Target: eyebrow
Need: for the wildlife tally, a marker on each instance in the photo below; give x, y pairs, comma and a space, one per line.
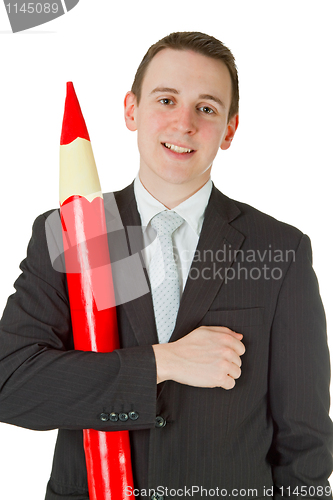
164, 89
201, 96
212, 98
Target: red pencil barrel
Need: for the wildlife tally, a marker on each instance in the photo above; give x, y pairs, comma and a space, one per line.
108, 456
110, 478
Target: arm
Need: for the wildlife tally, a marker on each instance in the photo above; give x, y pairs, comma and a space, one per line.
44, 383
299, 382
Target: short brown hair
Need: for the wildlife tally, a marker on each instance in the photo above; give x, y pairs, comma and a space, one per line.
198, 42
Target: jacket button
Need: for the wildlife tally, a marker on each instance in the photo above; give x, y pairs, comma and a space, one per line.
155, 496
160, 422
104, 417
123, 417
113, 417
133, 415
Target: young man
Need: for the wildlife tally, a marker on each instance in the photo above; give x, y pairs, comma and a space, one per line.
232, 329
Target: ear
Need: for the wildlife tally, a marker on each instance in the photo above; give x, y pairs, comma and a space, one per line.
129, 111
231, 130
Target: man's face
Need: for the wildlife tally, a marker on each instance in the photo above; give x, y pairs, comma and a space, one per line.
182, 118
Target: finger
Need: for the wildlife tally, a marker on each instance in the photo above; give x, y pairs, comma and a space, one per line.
229, 383
233, 343
232, 357
236, 335
224, 329
239, 348
234, 371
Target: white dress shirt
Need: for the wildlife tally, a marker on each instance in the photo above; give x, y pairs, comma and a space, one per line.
185, 238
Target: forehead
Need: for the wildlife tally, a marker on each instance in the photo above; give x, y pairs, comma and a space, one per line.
187, 70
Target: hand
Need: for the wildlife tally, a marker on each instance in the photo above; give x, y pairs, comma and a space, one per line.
207, 357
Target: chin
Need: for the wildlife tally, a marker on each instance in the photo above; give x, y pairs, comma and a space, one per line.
176, 175
176, 178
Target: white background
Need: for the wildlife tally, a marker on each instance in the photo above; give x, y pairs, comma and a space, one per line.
280, 160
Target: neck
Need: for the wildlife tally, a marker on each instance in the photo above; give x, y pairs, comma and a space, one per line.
169, 194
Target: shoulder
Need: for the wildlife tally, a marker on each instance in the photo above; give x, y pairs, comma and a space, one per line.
255, 224
261, 219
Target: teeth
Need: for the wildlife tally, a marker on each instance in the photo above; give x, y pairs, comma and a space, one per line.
177, 149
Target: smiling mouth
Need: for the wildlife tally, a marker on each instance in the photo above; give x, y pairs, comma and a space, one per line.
177, 149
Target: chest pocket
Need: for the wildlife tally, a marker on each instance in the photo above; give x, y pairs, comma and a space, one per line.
235, 319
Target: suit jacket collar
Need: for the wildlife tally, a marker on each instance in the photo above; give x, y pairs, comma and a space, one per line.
203, 282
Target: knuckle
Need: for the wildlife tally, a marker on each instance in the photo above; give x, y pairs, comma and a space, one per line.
224, 337
224, 366
227, 351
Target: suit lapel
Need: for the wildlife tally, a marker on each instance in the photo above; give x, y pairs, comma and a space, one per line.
140, 311
215, 253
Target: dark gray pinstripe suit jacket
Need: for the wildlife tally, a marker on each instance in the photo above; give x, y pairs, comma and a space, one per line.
271, 429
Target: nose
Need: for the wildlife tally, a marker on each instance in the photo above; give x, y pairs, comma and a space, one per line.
185, 120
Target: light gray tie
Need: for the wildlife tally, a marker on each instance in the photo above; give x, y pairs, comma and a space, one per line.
163, 274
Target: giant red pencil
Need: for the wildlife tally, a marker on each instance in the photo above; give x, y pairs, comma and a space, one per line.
91, 293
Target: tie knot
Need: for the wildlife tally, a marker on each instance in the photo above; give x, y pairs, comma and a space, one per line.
166, 222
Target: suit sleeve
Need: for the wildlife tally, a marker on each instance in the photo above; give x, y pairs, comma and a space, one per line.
46, 384
299, 385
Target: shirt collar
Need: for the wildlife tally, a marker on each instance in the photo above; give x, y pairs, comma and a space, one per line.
192, 209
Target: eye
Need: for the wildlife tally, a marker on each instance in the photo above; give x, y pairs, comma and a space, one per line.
166, 101
207, 110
